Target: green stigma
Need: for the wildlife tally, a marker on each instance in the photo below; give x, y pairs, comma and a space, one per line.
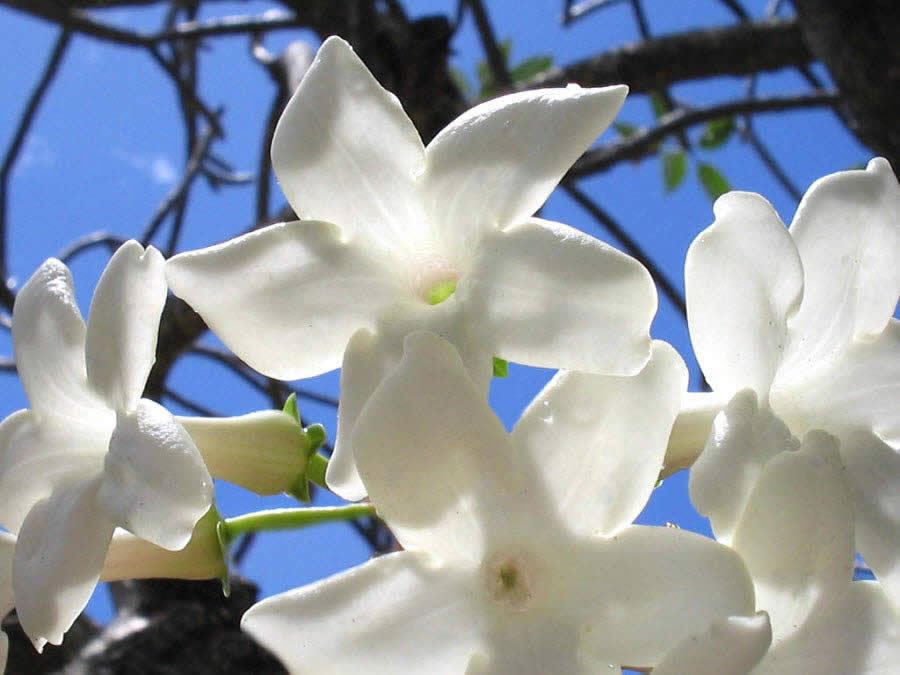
509, 576
440, 292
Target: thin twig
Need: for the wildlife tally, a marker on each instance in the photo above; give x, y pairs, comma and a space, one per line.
89, 241
496, 60
644, 142
15, 146
191, 405
630, 245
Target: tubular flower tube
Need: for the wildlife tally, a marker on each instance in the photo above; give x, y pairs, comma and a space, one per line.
396, 237
519, 555
90, 454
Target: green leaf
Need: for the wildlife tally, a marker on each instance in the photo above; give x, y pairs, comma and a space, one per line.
625, 129
658, 104
501, 367
530, 68
459, 78
717, 132
713, 181
485, 77
674, 168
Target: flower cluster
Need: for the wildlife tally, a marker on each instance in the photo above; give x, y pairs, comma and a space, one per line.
414, 269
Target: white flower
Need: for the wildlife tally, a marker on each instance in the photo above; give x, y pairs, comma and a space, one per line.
804, 318
90, 454
786, 507
7, 597
519, 554
396, 237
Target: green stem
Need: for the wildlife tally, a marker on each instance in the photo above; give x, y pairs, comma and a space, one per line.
315, 469
291, 519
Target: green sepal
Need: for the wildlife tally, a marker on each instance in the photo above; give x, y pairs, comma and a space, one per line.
224, 539
501, 367
314, 437
290, 407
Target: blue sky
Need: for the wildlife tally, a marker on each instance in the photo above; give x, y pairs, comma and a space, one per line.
107, 146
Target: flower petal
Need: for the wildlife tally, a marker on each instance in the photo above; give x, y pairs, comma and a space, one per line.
603, 439
59, 554
634, 598
395, 614
520, 300
36, 457
873, 470
847, 235
745, 436
123, 324
691, 429
345, 151
860, 387
796, 534
436, 461
287, 298
743, 279
859, 632
154, 482
49, 336
7, 595
369, 357
731, 646
495, 164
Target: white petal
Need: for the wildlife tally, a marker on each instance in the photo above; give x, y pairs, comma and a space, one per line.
154, 482
744, 438
796, 534
59, 554
369, 357
602, 439
123, 324
287, 298
345, 152
498, 162
644, 590
691, 429
7, 595
395, 614
730, 646
873, 470
859, 387
49, 335
859, 632
743, 279
4, 651
846, 230
436, 461
36, 457
521, 299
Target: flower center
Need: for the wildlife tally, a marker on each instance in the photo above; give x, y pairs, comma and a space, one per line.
440, 291
512, 580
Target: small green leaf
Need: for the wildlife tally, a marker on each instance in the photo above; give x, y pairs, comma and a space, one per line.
717, 132
659, 104
713, 181
290, 407
625, 129
530, 68
501, 367
674, 168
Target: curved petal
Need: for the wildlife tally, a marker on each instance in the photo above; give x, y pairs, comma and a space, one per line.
520, 298
731, 646
860, 387
743, 279
369, 357
849, 241
633, 599
691, 429
796, 535
395, 614
436, 461
603, 440
495, 164
154, 482
7, 595
59, 555
37, 457
123, 324
744, 438
345, 152
859, 632
287, 298
49, 337
873, 469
